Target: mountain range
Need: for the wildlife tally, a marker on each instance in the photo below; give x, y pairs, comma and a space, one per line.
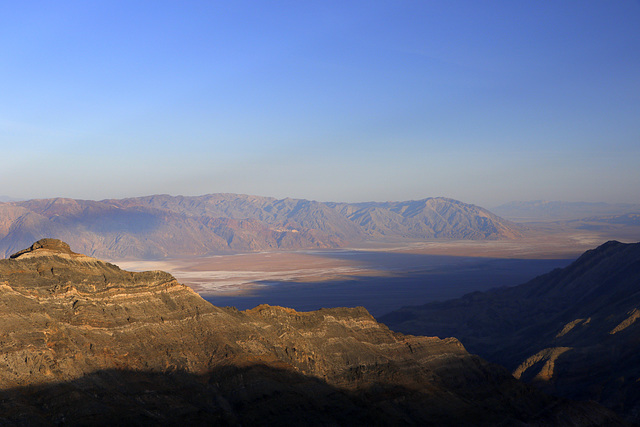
86, 343
543, 210
8, 199
175, 226
572, 332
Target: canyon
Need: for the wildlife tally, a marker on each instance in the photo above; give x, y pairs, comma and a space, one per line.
84, 342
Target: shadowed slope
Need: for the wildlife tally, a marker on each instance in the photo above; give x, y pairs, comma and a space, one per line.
573, 331
263, 395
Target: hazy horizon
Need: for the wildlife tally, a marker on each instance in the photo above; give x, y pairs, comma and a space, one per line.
485, 103
5, 199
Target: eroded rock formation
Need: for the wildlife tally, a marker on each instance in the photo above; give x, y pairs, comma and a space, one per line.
84, 342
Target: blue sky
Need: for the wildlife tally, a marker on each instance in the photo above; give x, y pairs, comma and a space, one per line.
482, 101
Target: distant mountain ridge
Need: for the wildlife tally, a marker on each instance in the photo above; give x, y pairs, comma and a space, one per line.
171, 226
574, 332
428, 218
8, 199
543, 210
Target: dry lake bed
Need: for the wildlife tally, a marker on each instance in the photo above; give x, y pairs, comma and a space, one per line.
380, 277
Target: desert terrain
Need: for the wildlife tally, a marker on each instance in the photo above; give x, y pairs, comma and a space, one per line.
380, 275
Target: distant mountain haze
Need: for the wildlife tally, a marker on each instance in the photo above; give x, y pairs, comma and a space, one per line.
8, 199
542, 210
428, 218
173, 226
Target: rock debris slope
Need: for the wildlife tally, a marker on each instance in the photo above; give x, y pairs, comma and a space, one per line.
573, 332
83, 342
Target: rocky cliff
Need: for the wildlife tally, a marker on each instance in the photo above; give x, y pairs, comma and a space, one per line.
166, 226
572, 332
83, 342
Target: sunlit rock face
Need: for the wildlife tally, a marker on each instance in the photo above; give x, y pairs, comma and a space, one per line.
84, 342
573, 332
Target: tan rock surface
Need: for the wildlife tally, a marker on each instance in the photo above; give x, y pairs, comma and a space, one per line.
83, 342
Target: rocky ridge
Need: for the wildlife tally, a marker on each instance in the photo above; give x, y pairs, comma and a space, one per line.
572, 332
166, 226
438, 218
84, 342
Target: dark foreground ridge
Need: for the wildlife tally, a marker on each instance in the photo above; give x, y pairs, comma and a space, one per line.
572, 332
84, 342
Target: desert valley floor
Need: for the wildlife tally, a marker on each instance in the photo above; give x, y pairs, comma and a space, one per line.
382, 276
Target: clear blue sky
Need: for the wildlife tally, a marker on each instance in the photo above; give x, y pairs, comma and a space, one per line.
482, 101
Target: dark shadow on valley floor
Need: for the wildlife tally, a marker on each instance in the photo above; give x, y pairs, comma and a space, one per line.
412, 279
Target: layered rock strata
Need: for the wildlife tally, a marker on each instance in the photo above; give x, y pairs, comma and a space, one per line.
84, 342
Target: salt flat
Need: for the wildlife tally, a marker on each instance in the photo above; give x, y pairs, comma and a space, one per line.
379, 280
382, 276
240, 273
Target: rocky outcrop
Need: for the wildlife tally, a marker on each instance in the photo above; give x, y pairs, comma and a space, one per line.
84, 342
46, 247
572, 332
166, 226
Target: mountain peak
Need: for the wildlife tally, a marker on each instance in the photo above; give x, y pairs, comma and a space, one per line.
610, 244
604, 251
46, 246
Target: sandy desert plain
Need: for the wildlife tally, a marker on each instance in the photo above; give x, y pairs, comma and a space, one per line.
382, 275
